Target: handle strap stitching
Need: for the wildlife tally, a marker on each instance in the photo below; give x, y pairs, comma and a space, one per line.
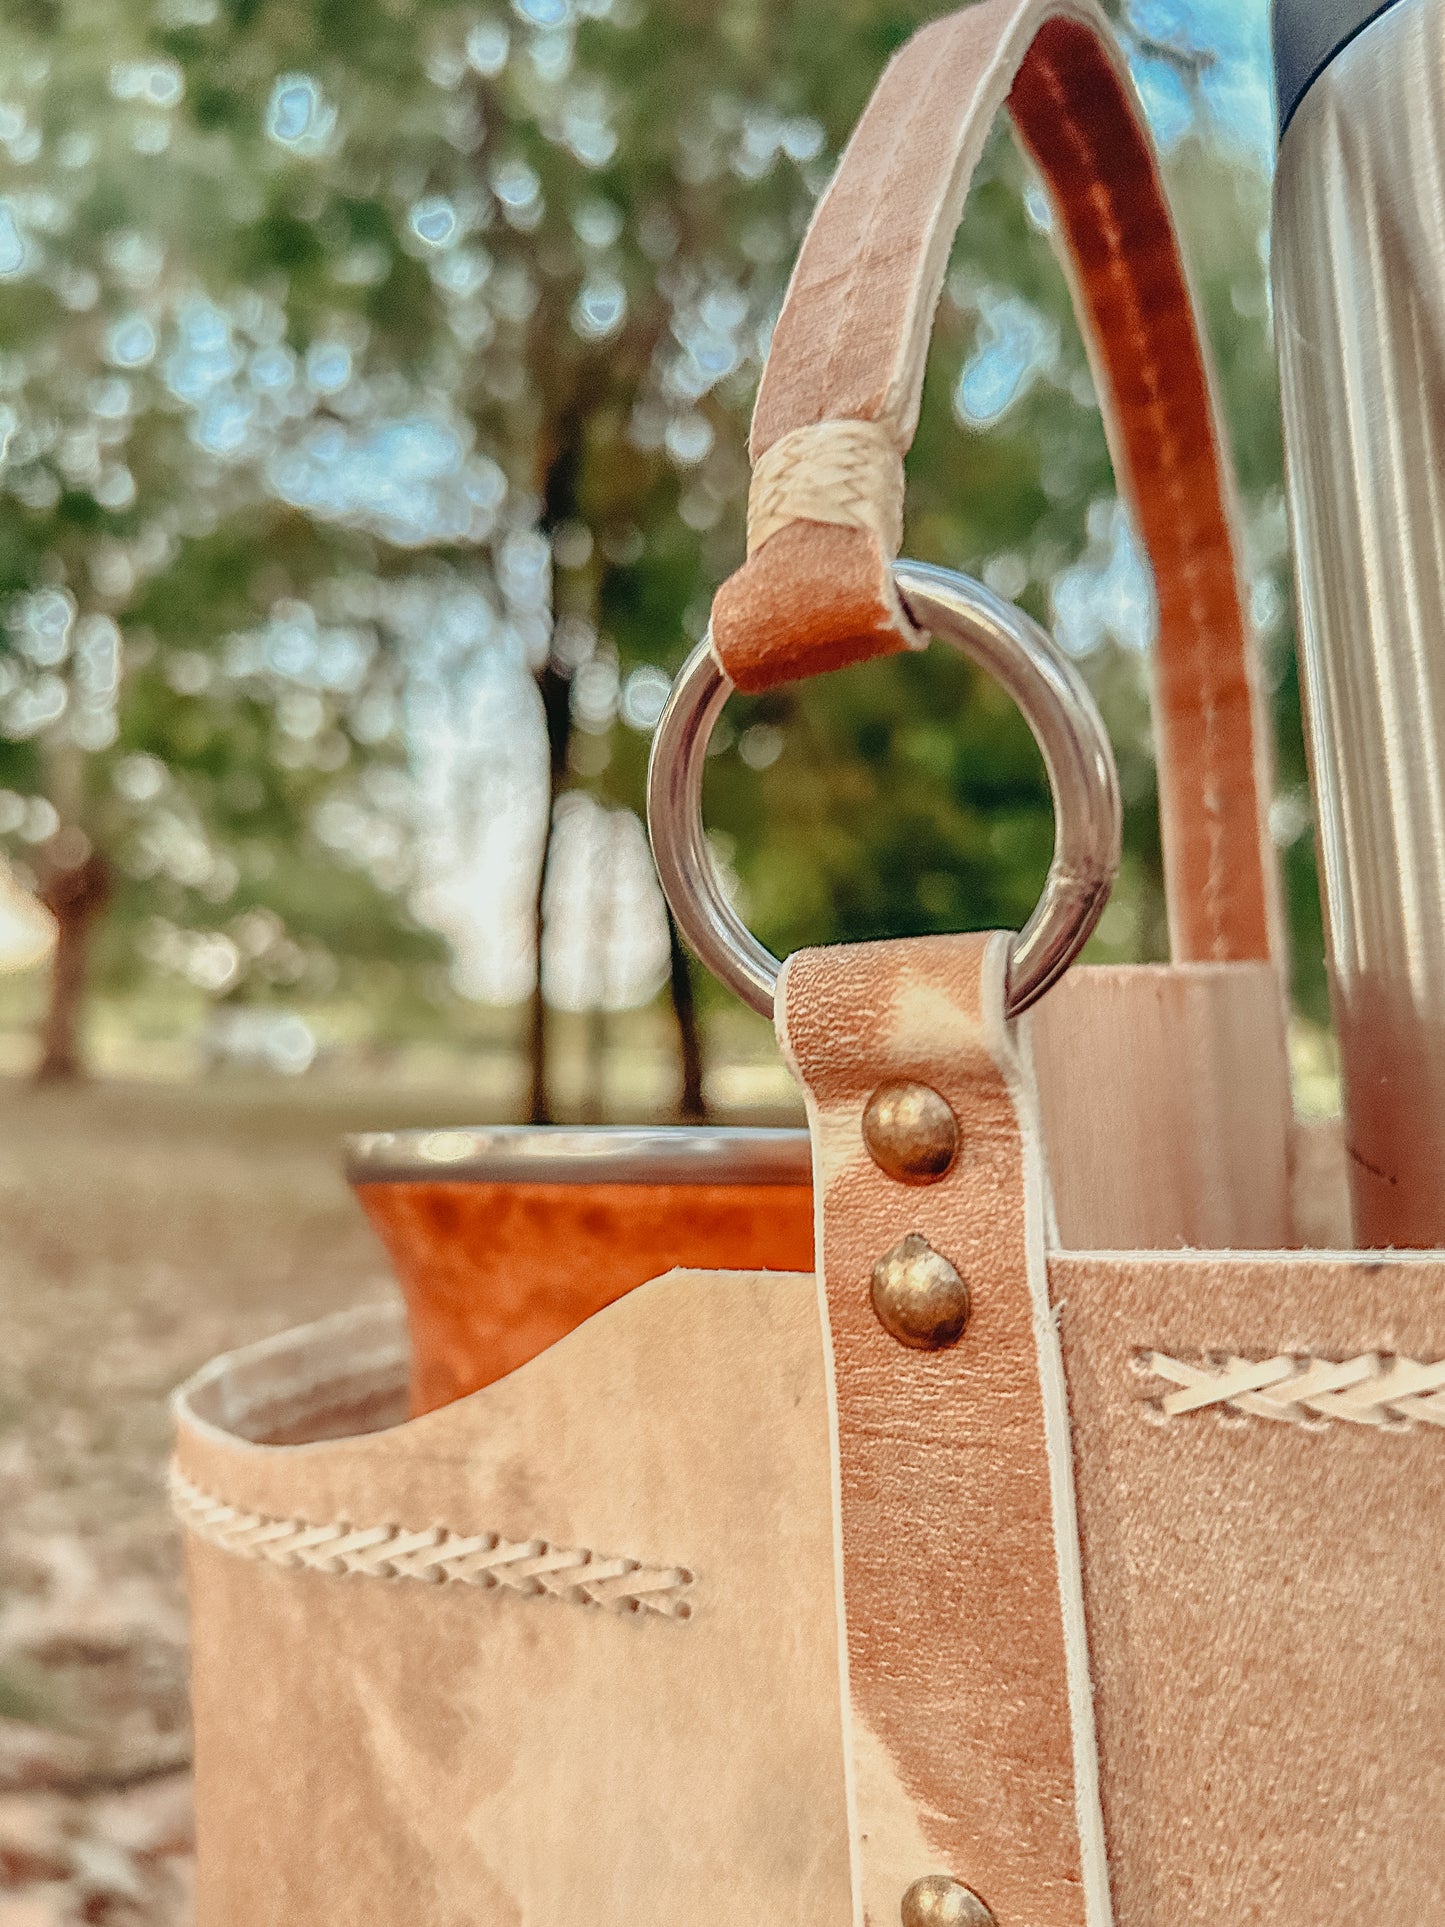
1194, 543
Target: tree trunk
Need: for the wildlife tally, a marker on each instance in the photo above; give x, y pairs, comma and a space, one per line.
76, 896
539, 1110
603, 872
595, 1034
692, 1106
557, 707
561, 482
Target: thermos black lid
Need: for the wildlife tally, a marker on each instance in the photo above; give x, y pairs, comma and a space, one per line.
1307, 36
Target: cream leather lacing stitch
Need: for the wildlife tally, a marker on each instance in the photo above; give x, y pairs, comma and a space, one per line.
436, 1556
1367, 1390
848, 473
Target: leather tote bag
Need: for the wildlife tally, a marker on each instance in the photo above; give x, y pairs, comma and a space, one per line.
1066, 1549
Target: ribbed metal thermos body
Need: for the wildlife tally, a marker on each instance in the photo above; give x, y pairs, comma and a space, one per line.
1359, 284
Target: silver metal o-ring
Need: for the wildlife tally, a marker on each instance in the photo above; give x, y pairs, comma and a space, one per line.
1066, 725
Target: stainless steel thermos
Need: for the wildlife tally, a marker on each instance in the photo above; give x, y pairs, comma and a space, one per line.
1359, 290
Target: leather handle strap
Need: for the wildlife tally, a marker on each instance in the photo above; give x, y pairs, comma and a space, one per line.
969, 1723
839, 402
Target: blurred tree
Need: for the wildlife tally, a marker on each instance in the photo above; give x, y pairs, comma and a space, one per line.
176, 712
368, 365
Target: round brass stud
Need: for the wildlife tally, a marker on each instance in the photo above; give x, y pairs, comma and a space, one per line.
919, 1297
911, 1132
937, 1901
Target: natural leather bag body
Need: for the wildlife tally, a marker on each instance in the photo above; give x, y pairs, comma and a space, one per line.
1119, 1604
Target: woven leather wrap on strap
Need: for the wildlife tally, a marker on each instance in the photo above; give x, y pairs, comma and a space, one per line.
847, 473
838, 407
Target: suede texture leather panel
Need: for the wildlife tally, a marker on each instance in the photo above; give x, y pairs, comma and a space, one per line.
1262, 1600
824, 593
961, 1725
1263, 1597
385, 1753
851, 343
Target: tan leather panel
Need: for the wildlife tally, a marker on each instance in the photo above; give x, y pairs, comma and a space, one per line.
851, 343
1164, 1094
384, 1753
963, 1727
1263, 1596
1320, 1185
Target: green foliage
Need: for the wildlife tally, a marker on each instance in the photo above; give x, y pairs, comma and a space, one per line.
556, 237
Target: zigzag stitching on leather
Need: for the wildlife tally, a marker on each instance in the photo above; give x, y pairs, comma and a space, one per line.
434, 1555
1370, 1389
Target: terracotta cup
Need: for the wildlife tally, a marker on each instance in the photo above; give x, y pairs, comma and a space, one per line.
504, 1240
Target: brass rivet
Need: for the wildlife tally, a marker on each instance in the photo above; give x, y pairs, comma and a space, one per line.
919, 1297
910, 1131
937, 1901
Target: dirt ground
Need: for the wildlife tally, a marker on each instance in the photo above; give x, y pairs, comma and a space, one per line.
143, 1229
